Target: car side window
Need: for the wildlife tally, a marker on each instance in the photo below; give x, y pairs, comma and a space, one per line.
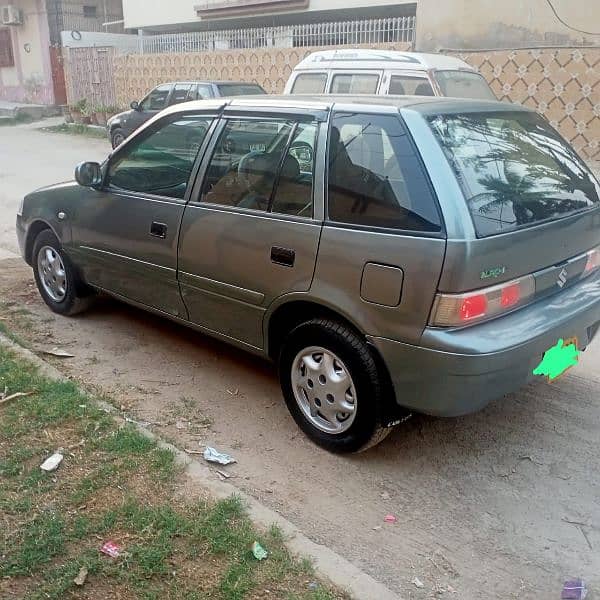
355, 83
294, 190
375, 177
181, 93
410, 86
245, 163
160, 159
204, 91
157, 98
310, 83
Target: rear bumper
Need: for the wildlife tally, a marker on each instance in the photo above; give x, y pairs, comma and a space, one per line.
455, 372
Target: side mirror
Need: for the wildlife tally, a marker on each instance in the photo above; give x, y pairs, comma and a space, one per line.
88, 174
135, 105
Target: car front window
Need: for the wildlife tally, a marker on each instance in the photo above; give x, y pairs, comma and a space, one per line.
156, 99
160, 159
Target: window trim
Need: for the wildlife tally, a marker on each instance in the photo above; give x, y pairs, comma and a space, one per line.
195, 195
442, 234
108, 188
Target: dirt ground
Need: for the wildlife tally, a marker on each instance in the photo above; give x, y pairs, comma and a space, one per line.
501, 504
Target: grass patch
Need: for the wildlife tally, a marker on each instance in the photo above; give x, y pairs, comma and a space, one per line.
76, 129
117, 484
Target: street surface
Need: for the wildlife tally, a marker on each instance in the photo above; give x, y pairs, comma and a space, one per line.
501, 504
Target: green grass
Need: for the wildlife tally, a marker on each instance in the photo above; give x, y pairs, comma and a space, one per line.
76, 129
117, 484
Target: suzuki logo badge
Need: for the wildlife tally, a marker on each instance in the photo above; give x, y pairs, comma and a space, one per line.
562, 278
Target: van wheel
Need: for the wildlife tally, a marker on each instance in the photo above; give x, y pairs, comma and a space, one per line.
56, 278
332, 386
117, 137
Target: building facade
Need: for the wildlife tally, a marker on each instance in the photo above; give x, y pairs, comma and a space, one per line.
30, 58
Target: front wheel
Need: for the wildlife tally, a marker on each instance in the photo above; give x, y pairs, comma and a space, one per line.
56, 278
332, 386
117, 137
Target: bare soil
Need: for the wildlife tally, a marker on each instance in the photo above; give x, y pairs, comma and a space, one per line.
501, 504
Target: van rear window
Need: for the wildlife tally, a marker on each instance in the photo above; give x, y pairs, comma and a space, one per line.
515, 170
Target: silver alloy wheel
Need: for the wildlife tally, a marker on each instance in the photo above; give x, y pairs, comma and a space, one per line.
324, 390
52, 273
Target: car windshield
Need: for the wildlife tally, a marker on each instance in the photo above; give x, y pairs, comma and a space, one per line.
240, 89
464, 84
515, 171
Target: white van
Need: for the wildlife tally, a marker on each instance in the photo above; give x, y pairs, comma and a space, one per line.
349, 71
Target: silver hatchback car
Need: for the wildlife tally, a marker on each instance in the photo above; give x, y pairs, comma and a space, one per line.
390, 254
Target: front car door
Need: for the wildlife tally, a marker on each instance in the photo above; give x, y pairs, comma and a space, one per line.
250, 232
125, 234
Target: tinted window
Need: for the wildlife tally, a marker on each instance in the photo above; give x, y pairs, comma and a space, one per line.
157, 98
514, 169
310, 83
294, 190
375, 177
352, 83
159, 160
240, 89
463, 84
245, 163
181, 93
410, 86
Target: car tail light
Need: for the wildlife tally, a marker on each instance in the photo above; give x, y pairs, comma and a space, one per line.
593, 261
451, 310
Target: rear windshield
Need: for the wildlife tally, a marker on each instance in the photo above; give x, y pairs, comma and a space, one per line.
239, 89
514, 169
464, 84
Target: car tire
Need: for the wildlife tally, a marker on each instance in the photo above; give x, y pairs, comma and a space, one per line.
57, 280
117, 137
325, 369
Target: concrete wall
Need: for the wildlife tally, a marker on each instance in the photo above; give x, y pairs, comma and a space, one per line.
155, 13
30, 80
488, 24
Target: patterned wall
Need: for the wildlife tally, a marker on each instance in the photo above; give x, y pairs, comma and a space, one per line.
563, 84
135, 74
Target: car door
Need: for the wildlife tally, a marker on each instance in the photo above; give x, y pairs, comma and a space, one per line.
250, 232
152, 104
125, 234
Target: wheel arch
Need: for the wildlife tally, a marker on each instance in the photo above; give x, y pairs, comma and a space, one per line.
34, 229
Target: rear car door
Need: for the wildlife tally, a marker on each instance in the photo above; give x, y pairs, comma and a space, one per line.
383, 242
249, 233
125, 234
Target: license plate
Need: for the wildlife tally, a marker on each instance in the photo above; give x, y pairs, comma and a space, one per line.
558, 359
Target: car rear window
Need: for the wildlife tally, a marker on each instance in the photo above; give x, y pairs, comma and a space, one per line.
515, 170
240, 89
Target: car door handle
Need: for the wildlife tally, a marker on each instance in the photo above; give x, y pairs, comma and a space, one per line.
158, 230
283, 256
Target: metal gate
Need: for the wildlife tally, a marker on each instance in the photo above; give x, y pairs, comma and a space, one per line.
90, 75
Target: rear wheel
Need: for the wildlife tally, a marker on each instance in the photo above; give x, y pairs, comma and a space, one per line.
117, 137
332, 386
56, 278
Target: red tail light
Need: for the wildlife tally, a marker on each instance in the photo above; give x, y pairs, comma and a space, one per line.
459, 309
593, 261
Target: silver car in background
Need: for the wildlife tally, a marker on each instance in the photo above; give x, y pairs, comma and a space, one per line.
389, 254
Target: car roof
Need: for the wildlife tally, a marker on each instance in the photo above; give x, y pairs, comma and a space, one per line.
211, 82
355, 59
325, 102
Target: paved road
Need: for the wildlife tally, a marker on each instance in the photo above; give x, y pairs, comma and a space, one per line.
501, 504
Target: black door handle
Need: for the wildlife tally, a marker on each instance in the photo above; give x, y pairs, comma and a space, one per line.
158, 230
283, 256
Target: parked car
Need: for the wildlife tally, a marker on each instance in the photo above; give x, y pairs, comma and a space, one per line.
124, 124
364, 71
390, 254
